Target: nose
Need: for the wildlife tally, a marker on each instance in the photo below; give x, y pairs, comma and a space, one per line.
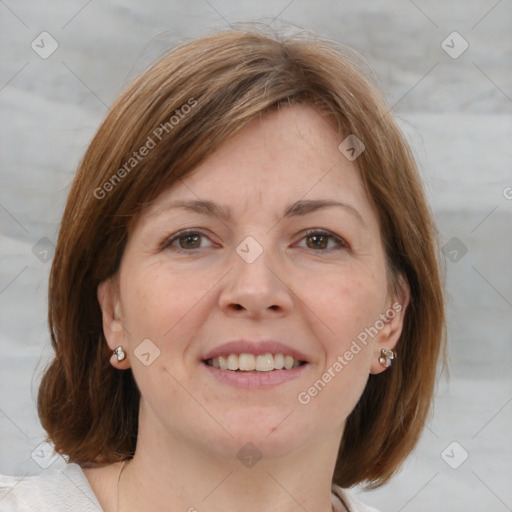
256, 289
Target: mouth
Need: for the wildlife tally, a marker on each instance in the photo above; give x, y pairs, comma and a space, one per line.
247, 362
255, 364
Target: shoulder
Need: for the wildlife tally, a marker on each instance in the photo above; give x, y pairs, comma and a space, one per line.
65, 490
352, 504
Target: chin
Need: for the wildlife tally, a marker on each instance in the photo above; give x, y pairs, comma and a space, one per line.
268, 430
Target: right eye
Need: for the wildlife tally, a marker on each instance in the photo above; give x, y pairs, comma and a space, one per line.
185, 241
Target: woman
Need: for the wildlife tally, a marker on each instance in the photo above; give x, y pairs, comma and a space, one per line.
245, 301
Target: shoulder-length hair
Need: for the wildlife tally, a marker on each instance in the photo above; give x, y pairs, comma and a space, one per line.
181, 109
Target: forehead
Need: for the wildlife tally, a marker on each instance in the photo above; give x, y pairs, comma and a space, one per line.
293, 145
284, 156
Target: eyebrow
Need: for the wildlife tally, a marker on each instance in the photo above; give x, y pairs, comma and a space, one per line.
303, 207
298, 208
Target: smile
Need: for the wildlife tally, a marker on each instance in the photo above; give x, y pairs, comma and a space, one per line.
251, 362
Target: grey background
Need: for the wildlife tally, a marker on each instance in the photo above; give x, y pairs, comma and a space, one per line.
456, 113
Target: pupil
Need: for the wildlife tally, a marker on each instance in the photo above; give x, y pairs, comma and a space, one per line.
190, 238
317, 238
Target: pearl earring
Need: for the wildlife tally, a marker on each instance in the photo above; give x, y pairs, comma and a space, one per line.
119, 352
386, 357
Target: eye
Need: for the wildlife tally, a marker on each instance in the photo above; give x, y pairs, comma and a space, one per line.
184, 241
321, 240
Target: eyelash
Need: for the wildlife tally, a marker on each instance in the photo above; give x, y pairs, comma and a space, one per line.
310, 232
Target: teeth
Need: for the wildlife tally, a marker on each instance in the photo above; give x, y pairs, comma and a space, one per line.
246, 362
265, 363
232, 362
278, 361
250, 362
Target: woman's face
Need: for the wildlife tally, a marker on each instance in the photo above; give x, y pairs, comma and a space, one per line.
269, 265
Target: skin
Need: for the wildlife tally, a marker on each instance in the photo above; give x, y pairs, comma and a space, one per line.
316, 299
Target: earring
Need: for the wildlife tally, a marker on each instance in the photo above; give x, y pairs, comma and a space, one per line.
119, 352
386, 357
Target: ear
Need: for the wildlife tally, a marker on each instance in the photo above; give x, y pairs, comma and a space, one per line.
393, 319
113, 329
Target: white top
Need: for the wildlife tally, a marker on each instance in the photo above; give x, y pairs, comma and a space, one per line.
68, 490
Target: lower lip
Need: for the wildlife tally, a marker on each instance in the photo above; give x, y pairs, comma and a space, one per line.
255, 379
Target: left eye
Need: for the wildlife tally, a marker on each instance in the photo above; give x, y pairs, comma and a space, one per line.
319, 240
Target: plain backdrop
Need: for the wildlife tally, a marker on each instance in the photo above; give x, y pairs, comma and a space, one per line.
454, 103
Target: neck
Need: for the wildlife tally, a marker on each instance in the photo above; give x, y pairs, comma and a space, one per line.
171, 474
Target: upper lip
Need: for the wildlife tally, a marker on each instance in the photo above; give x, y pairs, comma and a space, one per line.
255, 347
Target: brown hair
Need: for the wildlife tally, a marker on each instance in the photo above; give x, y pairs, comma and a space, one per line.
89, 409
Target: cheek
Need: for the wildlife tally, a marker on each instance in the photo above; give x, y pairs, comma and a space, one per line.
155, 298
340, 379
167, 306
160, 305
347, 303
